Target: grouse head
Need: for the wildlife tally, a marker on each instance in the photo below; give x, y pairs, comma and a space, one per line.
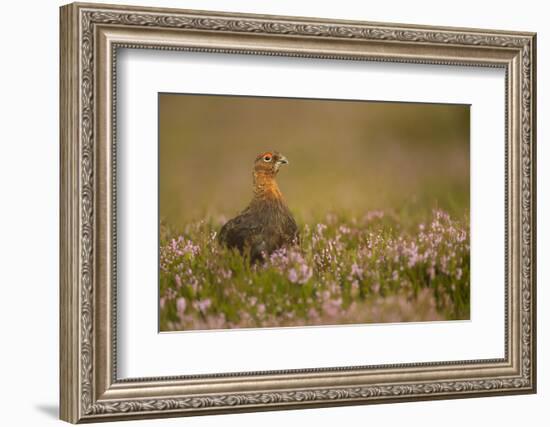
266, 167
268, 163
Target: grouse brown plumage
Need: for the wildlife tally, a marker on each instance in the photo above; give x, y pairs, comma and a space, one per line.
267, 223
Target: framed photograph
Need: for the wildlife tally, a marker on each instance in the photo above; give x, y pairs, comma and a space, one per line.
265, 212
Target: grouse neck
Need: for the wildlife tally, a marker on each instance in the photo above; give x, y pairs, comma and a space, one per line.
265, 187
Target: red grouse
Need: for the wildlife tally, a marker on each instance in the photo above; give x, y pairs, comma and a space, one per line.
266, 224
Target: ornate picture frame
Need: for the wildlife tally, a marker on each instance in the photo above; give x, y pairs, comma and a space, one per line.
90, 37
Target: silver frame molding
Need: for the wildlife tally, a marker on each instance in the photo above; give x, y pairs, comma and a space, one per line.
90, 37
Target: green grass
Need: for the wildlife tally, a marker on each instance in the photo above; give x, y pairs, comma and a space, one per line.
376, 267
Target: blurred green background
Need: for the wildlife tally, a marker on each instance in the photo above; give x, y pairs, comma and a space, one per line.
345, 156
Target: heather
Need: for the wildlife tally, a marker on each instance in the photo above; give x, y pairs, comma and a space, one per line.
370, 268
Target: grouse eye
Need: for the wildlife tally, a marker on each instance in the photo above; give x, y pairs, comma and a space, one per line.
267, 158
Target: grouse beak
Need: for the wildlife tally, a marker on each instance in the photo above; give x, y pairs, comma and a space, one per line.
282, 160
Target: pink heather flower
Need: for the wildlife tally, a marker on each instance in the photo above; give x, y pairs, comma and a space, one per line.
376, 287
356, 271
202, 305
261, 309
444, 263
313, 315
344, 230
162, 302
194, 283
293, 275
182, 247
439, 214
178, 280
181, 304
305, 273
373, 215
332, 307
245, 316
170, 293
320, 228
413, 255
458, 273
226, 274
